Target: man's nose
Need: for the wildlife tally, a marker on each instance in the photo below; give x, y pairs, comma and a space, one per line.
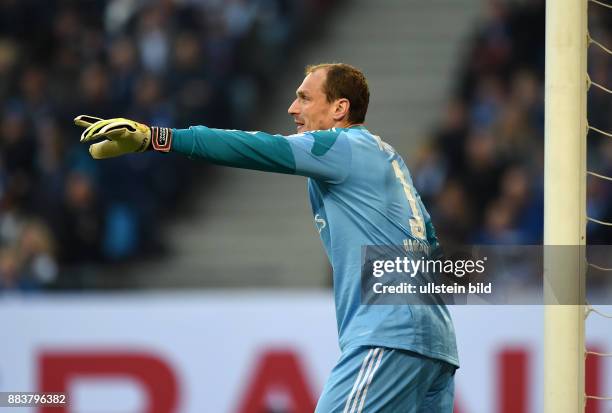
293, 108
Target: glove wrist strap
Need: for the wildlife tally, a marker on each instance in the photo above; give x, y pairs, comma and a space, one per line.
161, 139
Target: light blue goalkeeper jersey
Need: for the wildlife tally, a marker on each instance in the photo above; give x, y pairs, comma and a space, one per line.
361, 194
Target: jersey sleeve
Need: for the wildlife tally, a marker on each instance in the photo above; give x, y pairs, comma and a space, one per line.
322, 155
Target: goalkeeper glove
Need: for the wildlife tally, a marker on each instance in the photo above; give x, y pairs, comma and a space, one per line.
121, 136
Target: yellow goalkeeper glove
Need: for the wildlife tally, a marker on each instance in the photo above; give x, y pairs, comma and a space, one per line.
121, 136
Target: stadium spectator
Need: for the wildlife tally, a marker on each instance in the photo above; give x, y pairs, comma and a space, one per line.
29, 263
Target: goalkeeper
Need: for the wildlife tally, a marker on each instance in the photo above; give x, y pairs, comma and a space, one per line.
395, 358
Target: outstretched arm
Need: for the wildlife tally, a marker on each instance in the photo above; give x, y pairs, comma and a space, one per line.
323, 155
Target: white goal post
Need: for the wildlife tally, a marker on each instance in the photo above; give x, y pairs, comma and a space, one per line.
565, 204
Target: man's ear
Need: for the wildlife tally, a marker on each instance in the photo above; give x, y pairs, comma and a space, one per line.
341, 109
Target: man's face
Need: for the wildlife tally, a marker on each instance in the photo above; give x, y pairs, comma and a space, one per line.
310, 109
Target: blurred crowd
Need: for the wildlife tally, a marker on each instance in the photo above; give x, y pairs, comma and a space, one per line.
167, 63
482, 170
